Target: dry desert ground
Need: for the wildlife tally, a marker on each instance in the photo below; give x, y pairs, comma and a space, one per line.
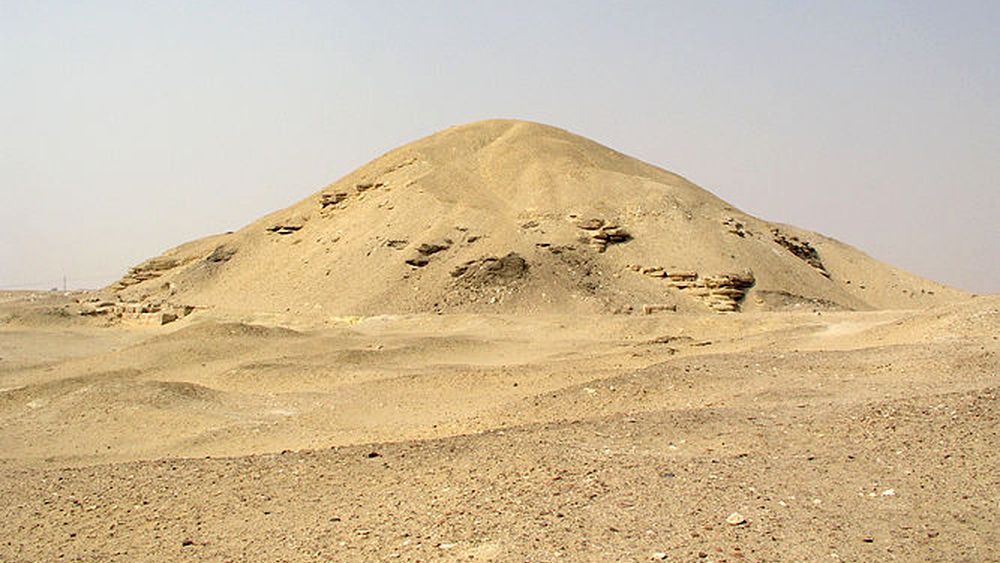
849, 436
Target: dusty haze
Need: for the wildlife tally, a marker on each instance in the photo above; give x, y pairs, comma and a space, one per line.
129, 130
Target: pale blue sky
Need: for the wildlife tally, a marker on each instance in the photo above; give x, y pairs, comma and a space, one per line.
129, 127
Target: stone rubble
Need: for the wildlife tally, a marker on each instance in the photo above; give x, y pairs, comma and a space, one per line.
150, 269
721, 292
801, 249
157, 313
601, 233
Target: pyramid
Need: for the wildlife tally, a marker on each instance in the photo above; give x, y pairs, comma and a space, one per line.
514, 217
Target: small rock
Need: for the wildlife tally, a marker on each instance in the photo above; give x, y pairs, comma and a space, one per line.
591, 224
659, 556
365, 186
889, 493
429, 248
418, 261
221, 253
736, 519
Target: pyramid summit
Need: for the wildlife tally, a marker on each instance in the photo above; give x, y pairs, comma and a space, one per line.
511, 216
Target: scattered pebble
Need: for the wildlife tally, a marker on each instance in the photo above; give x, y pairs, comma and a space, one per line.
735, 519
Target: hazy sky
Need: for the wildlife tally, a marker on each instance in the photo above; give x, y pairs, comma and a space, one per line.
129, 127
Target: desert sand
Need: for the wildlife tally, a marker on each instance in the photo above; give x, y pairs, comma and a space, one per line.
502, 342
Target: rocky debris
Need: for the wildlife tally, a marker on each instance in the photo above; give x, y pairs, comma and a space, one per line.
489, 280
427, 249
331, 199
801, 249
659, 556
397, 243
609, 235
365, 186
601, 233
736, 228
144, 312
560, 248
668, 339
780, 300
722, 292
399, 165
285, 228
652, 308
592, 224
150, 269
222, 253
509, 267
681, 279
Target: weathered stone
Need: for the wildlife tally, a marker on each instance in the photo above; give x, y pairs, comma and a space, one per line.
682, 275
651, 308
491, 269
221, 253
614, 235
429, 248
365, 186
285, 229
150, 269
801, 249
591, 224
329, 199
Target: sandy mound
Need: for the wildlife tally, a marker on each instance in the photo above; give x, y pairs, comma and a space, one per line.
208, 330
509, 216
